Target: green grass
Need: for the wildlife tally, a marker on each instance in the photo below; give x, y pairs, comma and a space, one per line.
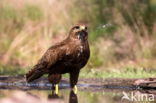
134, 73
12, 70
126, 72
33, 12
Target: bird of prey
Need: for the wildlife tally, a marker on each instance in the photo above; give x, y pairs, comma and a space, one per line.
68, 56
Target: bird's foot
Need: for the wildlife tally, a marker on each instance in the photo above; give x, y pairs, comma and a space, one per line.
56, 89
75, 89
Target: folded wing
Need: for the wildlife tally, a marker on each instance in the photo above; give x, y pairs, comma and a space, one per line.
51, 56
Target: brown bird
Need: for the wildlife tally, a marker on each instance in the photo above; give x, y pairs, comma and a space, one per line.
68, 56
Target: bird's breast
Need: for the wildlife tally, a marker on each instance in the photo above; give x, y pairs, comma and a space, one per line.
80, 56
80, 51
76, 58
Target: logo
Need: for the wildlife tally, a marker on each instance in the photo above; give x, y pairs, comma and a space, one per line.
137, 96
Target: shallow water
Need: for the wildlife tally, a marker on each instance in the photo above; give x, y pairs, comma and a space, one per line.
16, 90
64, 96
88, 95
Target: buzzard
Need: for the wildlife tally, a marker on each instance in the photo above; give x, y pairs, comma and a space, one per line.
68, 56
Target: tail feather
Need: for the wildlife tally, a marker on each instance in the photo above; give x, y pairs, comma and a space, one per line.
33, 74
38, 70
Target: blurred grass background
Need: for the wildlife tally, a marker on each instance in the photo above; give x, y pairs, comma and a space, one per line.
122, 34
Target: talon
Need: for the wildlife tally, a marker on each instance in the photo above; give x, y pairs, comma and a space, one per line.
75, 89
56, 89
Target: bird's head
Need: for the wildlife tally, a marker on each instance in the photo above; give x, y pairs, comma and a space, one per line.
79, 32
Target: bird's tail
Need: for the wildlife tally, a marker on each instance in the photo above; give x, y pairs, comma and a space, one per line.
34, 73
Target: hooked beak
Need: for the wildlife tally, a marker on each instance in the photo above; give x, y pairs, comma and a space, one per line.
82, 35
82, 27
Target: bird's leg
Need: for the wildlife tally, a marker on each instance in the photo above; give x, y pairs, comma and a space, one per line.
53, 89
56, 88
54, 79
73, 80
75, 89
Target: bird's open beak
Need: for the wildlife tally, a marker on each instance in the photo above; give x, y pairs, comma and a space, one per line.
82, 27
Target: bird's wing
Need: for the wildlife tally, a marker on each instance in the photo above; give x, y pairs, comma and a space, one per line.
51, 56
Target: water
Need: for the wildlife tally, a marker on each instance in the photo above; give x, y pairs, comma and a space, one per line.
41, 93
64, 96
17, 90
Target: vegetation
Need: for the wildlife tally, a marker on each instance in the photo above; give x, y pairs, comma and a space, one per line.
127, 72
121, 33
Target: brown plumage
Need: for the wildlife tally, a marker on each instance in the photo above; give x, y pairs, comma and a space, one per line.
68, 56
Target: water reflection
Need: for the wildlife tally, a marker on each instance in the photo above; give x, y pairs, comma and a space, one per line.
67, 96
72, 97
53, 96
107, 96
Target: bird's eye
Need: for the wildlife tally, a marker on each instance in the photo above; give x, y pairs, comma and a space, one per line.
85, 28
77, 27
